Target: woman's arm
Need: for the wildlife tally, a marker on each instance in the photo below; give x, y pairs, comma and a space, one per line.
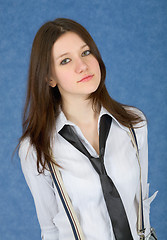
142, 139
42, 191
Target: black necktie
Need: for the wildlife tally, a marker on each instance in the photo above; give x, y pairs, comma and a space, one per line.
112, 198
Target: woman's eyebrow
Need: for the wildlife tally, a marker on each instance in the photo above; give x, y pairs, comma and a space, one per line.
84, 46
68, 52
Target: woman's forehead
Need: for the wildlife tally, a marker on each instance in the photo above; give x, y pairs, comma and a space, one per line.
67, 43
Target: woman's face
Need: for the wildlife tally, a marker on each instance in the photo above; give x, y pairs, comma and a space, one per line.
75, 70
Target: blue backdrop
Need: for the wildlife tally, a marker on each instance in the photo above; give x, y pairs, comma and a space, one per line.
132, 38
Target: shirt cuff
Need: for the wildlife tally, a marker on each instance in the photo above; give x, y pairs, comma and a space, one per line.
49, 234
146, 211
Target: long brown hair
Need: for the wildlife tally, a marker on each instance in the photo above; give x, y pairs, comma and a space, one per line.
42, 101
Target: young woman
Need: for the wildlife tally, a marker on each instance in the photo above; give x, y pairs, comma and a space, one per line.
66, 86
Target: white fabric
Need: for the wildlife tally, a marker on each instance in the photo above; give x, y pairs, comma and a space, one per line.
83, 185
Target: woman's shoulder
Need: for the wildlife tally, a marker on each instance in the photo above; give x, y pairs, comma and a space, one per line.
140, 128
27, 154
136, 111
25, 147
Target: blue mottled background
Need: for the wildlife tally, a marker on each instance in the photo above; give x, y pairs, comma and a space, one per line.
132, 38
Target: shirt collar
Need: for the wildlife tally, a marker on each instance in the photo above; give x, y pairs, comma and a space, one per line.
62, 120
104, 111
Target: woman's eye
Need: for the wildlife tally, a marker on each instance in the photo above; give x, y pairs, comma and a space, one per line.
86, 53
65, 61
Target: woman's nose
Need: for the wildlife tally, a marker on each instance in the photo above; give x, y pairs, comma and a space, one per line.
81, 66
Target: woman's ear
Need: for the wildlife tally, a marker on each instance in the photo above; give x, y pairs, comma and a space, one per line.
52, 82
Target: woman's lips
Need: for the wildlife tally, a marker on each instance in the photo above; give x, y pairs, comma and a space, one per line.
87, 78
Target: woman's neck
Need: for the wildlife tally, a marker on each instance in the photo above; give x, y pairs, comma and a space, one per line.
80, 112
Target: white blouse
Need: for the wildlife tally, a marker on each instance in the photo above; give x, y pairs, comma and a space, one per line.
83, 185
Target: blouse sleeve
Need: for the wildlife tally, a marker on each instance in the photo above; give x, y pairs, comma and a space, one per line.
143, 156
42, 191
